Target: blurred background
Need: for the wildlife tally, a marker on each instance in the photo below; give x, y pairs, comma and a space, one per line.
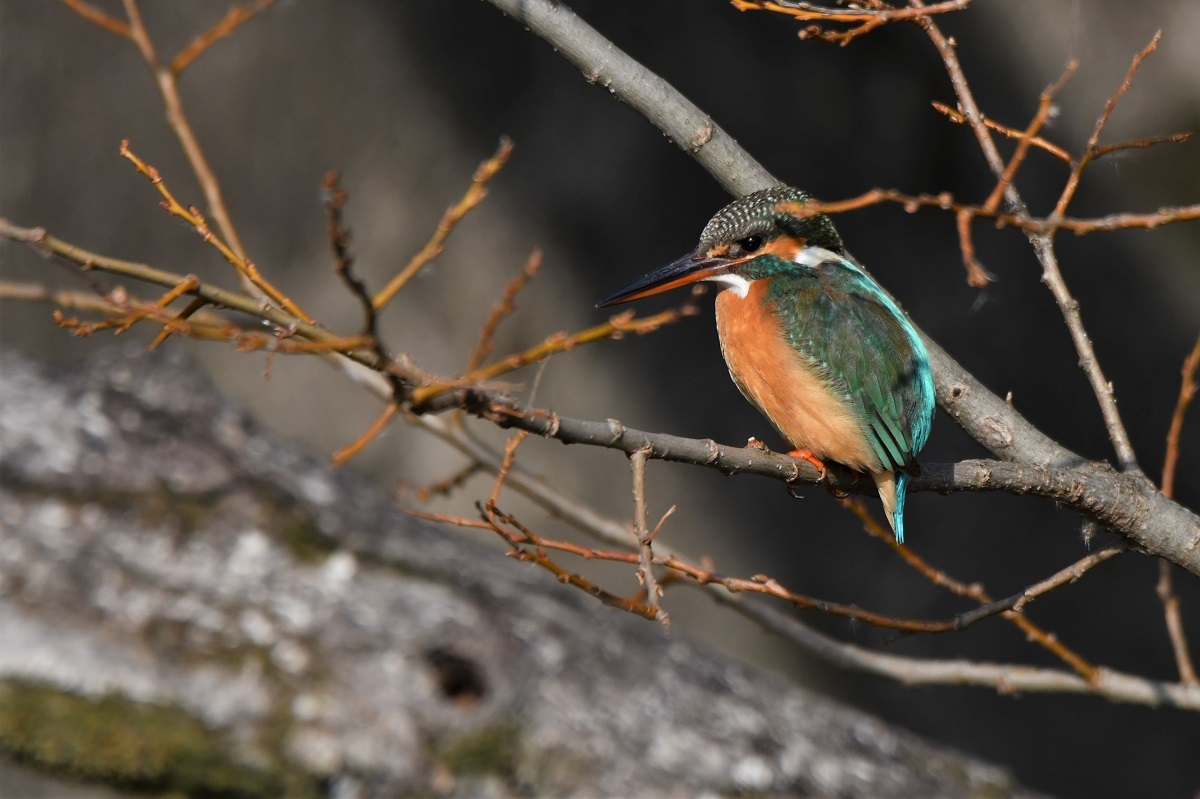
406, 98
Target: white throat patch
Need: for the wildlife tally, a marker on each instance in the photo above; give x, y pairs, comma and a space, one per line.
738, 284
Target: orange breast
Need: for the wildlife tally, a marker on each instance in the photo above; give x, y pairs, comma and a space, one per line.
787, 391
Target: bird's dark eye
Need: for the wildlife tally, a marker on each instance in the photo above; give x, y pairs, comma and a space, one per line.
750, 243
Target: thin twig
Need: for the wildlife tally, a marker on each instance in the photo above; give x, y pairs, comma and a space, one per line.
474, 195
680, 569
988, 607
1089, 150
502, 309
1045, 104
44, 243
99, 17
618, 325
1037, 141
1187, 392
977, 276
177, 119
1052, 277
439, 488
503, 524
1165, 587
643, 537
1031, 225
231, 252
350, 450
343, 264
233, 19
193, 307
864, 19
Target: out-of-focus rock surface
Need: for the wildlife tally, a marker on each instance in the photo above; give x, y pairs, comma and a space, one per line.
188, 604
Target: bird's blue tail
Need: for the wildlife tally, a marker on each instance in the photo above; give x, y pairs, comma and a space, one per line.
898, 511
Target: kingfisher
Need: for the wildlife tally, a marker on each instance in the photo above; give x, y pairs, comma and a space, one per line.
810, 339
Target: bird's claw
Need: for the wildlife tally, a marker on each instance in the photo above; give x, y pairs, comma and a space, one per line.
804, 454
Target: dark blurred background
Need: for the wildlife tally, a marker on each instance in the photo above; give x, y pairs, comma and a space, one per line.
406, 98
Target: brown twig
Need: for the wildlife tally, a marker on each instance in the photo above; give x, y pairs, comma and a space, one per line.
99, 17
977, 276
1068, 575
230, 252
1089, 150
1165, 587
678, 567
1036, 226
624, 323
350, 450
440, 488
506, 465
44, 243
865, 20
1045, 104
643, 537
233, 19
989, 607
191, 310
502, 309
474, 195
1187, 392
504, 525
343, 265
955, 115
177, 119
1139, 144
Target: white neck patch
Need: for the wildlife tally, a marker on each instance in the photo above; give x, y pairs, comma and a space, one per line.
738, 284
813, 257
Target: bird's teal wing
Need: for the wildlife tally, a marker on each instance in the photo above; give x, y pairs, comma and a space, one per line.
841, 322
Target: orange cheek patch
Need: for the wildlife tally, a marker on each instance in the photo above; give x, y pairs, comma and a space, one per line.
786, 248
718, 251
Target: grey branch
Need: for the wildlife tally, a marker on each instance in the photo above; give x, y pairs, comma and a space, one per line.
1124, 502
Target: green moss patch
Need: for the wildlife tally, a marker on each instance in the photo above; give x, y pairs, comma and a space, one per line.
118, 741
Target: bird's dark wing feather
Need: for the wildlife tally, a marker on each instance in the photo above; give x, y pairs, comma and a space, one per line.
844, 325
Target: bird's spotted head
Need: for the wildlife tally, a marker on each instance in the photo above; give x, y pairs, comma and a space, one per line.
753, 237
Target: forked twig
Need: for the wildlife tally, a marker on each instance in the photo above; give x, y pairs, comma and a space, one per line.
643, 537
1045, 104
231, 253
433, 247
975, 591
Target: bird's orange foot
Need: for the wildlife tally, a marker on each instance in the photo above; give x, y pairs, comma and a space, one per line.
807, 455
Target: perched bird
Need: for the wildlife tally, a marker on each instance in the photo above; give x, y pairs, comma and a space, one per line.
813, 342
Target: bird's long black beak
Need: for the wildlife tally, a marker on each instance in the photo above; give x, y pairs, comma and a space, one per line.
690, 268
